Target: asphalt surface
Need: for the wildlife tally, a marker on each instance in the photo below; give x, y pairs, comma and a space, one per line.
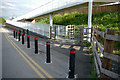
14, 66
33, 65
0, 51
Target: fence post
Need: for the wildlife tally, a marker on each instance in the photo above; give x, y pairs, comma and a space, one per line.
50, 32
92, 31
55, 33
93, 34
72, 63
81, 34
92, 40
68, 31
108, 47
97, 37
74, 31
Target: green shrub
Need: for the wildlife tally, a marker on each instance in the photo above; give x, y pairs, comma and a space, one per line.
2, 20
42, 20
103, 20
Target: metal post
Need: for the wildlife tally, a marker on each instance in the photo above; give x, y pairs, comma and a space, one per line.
48, 60
22, 38
14, 33
51, 23
19, 36
72, 63
20, 31
28, 41
24, 31
55, 33
36, 45
89, 19
27, 32
50, 32
66, 31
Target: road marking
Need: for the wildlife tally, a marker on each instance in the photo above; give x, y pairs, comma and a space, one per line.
41, 76
38, 66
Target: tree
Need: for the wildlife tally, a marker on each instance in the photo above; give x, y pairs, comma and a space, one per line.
2, 20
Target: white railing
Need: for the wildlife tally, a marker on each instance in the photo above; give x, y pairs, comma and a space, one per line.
39, 28
42, 29
60, 31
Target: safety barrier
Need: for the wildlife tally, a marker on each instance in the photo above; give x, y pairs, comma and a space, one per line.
48, 55
72, 64
28, 41
48, 58
38, 28
36, 45
22, 38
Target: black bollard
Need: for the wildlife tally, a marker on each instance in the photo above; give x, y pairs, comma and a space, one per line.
28, 41
18, 36
20, 31
24, 31
27, 32
22, 38
72, 63
14, 33
36, 45
48, 60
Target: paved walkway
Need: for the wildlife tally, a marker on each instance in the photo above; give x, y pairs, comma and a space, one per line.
21, 62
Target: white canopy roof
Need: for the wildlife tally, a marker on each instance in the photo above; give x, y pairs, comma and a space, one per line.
51, 7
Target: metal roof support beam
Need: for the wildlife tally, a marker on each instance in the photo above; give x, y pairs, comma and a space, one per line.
89, 18
51, 23
0, 51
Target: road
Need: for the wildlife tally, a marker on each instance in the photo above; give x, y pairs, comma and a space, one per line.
21, 62
0, 51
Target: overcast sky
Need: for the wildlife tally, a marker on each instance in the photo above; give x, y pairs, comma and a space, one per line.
15, 8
